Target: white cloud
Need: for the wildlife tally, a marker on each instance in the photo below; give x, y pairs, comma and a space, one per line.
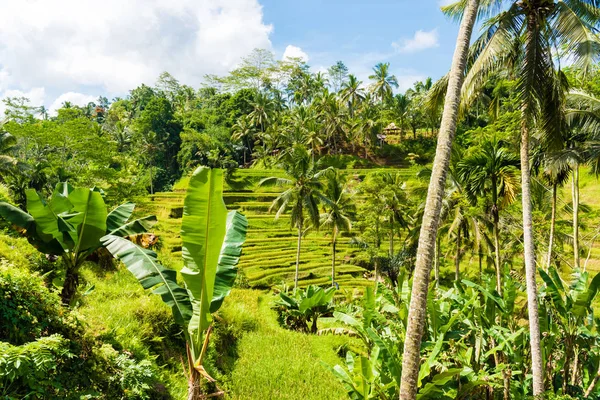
420, 41
444, 3
76, 99
115, 45
292, 51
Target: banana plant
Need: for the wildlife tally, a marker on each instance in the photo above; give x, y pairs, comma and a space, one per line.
572, 310
304, 306
212, 245
70, 225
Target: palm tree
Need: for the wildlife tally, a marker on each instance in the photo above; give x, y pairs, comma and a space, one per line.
383, 82
339, 212
528, 37
7, 145
244, 131
352, 93
401, 110
303, 194
492, 168
431, 216
262, 110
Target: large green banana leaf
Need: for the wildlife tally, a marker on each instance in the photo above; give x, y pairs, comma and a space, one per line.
135, 227
89, 218
235, 236
143, 264
119, 216
46, 215
202, 231
26, 222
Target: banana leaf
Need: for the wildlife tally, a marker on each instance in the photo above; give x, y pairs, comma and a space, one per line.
119, 216
89, 218
135, 227
203, 229
237, 225
143, 264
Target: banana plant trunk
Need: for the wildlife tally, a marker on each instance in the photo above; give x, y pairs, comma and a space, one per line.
552, 225
575, 182
71, 281
529, 255
431, 216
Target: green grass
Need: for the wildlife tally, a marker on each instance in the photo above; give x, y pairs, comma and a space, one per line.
274, 363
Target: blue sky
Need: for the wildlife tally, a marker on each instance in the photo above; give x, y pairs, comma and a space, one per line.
361, 33
72, 52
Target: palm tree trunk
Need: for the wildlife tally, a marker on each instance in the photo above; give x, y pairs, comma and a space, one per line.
457, 258
530, 268
552, 225
334, 240
497, 252
391, 250
575, 193
437, 262
298, 255
431, 217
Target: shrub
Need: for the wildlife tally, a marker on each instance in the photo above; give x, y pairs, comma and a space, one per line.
46, 353
304, 307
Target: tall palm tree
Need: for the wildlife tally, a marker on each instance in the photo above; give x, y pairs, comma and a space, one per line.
303, 193
528, 37
340, 210
383, 82
262, 111
7, 145
492, 168
244, 131
401, 110
431, 216
352, 93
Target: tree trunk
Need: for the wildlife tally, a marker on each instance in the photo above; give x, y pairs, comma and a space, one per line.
530, 268
391, 250
151, 181
497, 251
298, 255
437, 262
375, 264
333, 256
552, 225
576, 215
431, 217
457, 258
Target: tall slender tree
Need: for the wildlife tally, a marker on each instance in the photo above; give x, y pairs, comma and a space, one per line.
383, 83
339, 211
528, 37
431, 216
493, 169
303, 194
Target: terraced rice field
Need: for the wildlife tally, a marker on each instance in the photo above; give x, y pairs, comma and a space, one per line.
270, 251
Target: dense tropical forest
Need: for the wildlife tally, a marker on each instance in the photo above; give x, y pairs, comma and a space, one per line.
280, 233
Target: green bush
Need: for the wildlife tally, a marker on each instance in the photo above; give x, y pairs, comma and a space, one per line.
28, 310
46, 353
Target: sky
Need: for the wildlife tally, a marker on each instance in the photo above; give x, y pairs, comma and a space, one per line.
52, 51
